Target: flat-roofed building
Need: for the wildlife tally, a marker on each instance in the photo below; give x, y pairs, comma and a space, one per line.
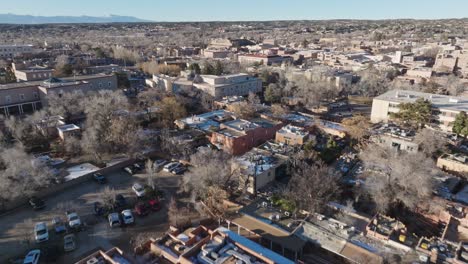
33, 74
395, 137
25, 97
457, 163
258, 168
84, 83
292, 135
11, 51
229, 85
202, 245
67, 131
215, 54
112, 256
445, 108
239, 136
262, 59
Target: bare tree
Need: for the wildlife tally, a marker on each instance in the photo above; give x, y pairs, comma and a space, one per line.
20, 174
397, 177
110, 128
210, 168
151, 171
278, 110
357, 127
430, 142
107, 196
312, 186
243, 110
67, 105
171, 109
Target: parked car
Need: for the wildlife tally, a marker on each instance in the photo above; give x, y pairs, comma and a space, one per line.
127, 217
36, 203
114, 219
32, 257
170, 166
137, 167
138, 189
99, 178
142, 209
98, 208
128, 170
59, 225
69, 243
120, 200
73, 219
159, 163
154, 204
41, 233
178, 170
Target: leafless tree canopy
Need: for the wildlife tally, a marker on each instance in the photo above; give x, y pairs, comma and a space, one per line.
210, 168
397, 177
20, 175
312, 186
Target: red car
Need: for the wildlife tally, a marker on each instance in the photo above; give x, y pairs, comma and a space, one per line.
142, 209
154, 204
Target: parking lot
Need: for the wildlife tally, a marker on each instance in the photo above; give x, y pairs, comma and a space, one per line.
17, 226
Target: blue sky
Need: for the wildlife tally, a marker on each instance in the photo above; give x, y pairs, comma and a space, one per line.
209, 10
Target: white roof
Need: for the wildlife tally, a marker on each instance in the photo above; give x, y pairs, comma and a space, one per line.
451, 103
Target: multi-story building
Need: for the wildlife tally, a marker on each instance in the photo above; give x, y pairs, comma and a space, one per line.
11, 51
292, 135
24, 97
239, 136
258, 168
85, 84
215, 54
202, 245
112, 256
33, 74
444, 108
397, 139
229, 85
262, 59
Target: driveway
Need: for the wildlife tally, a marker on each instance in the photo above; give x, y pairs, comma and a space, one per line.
16, 234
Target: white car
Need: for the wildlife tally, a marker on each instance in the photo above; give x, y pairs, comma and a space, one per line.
32, 257
138, 189
41, 233
171, 166
73, 219
114, 219
127, 217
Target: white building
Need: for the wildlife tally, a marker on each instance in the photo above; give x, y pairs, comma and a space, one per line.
445, 108
229, 85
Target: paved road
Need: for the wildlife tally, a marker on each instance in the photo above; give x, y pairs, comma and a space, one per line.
17, 226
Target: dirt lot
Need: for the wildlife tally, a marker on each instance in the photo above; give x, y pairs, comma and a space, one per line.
16, 234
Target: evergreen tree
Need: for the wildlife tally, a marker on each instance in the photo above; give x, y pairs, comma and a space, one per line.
460, 126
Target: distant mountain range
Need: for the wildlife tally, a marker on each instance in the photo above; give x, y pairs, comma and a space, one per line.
27, 19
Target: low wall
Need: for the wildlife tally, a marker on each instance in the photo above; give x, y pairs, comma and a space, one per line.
55, 188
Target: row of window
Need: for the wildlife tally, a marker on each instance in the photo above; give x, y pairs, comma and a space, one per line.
39, 75
21, 97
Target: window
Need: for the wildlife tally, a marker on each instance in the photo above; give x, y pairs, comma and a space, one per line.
100, 85
109, 84
34, 75
35, 95
21, 97
8, 99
